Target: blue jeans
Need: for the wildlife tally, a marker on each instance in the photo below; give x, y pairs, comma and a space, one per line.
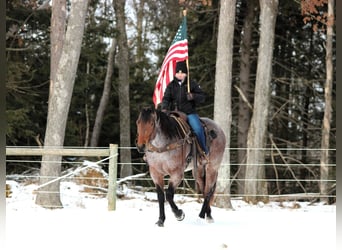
197, 127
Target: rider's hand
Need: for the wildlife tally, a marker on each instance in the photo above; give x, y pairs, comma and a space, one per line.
189, 96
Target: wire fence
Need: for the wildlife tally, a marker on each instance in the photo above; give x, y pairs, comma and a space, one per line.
288, 178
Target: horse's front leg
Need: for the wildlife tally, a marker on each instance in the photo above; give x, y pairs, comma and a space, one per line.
161, 201
169, 197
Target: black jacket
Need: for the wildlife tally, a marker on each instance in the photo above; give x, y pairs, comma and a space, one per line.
175, 96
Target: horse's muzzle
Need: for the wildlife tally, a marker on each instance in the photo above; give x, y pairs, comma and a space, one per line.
141, 148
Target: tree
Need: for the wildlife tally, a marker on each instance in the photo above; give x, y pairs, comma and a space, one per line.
59, 103
105, 96
245, 89
255, 186
27, 72
223, 83
314, 12
325, 186
88, 124
124, 103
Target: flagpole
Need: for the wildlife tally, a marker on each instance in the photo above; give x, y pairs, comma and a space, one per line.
188, 77
187, 62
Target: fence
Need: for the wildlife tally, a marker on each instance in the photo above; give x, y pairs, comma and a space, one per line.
287, 181
111, 154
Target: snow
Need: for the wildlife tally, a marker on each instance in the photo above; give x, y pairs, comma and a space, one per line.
86, 223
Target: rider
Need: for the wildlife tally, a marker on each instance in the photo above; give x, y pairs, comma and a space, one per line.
177, 97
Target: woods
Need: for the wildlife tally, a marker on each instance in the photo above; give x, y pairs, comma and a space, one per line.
78, 74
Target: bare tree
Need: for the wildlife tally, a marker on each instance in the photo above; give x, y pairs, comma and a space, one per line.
324, 187
59, 103
223, 85
245, 107
255, 186
123, 66
105, 96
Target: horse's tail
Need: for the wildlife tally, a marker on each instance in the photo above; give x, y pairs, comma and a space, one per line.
200, 177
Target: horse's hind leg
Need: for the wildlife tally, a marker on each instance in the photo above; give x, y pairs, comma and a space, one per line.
206, 209
169, 197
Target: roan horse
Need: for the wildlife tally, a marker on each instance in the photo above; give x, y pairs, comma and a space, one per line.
168, 144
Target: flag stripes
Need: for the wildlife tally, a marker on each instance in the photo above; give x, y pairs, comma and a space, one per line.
178, 51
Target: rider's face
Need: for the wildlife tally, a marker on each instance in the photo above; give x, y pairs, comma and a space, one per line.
180, 75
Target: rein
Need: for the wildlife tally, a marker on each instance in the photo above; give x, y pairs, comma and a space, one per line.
185, 132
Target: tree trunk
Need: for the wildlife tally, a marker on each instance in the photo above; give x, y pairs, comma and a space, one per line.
123, 65
324, 187
59, 103
245, 111
255, 186
139, 59
223, 86
57, 36
305, 114
86, 110
105, 96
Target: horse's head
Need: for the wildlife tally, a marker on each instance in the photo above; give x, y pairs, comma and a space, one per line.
145, 127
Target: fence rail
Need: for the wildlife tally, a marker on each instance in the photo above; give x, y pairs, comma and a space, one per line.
24, 151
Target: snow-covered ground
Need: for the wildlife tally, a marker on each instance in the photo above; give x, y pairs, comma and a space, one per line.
86, 223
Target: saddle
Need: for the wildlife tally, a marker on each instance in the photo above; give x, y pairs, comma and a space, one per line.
210, 135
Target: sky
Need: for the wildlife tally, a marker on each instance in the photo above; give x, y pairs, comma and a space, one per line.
86, 223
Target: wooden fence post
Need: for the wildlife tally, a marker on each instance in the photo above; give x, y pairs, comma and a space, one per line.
113, 160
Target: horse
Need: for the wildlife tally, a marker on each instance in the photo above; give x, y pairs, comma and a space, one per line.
168, 146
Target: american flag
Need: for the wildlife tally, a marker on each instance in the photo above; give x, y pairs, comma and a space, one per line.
178, 51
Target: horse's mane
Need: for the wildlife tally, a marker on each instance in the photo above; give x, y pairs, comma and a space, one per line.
168, 125
145, 114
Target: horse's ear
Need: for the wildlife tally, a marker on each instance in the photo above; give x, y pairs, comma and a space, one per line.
158, 107
144, 107
153, 107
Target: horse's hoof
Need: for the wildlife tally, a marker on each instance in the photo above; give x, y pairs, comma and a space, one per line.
210, 219
159, 223
180, 215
